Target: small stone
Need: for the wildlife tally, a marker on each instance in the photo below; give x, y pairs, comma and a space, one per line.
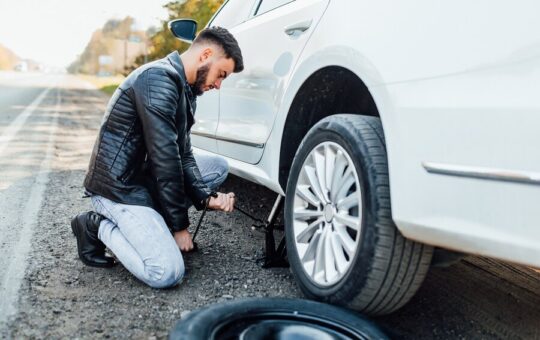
184, 313
227, 296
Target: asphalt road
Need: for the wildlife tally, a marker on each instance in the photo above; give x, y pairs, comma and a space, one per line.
28, 119
48, 125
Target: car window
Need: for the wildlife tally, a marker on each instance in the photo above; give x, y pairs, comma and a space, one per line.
232, 13
268, 5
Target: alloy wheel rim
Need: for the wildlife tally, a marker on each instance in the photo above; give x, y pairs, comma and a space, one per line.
327, 214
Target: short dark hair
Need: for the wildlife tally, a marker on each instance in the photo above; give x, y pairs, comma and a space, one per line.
222, 37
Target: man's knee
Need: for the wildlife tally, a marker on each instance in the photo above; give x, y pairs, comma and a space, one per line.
167, 272
222, 168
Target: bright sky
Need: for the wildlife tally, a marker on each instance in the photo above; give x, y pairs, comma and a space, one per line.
55, 31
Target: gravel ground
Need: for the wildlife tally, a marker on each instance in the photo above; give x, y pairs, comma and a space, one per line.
62, 298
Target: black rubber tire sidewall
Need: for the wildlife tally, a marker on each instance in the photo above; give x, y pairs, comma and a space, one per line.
201, 324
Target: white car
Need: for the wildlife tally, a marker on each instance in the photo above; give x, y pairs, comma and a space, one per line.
391, 127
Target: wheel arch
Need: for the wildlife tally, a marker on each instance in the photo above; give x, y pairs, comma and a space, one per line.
321, 95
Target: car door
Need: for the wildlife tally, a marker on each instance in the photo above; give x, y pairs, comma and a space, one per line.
230, 14
271, 41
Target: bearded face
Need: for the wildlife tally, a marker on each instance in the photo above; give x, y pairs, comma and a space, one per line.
202, 74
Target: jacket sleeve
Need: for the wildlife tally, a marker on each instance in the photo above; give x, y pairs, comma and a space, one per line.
195, 187
156, 96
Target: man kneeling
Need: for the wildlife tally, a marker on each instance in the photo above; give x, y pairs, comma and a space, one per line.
142, 176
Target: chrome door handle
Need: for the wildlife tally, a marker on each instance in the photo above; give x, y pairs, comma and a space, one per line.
299, 27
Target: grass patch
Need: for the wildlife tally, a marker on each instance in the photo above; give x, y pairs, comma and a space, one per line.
106, 85
109, 89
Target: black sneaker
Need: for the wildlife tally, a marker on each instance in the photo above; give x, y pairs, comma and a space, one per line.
91, 250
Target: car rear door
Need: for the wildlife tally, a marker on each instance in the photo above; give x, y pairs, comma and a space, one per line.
271, 41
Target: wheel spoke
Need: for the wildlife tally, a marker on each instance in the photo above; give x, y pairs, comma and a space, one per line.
348, 202
346, 241
307, 233
305, 194
344, 187
330, 271
330, 158
320, 166
337, 175
341, 261
306, 214
350, 221
312, 247
318, 269
314, 182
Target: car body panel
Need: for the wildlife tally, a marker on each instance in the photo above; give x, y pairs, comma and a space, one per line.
207, 115
250, 100
455, 84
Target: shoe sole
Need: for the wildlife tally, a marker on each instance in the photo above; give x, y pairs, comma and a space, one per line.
75, 229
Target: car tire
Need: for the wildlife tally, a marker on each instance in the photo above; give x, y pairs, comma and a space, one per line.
274, 318
385, 269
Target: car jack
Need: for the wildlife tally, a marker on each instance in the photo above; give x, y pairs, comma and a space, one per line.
272, 257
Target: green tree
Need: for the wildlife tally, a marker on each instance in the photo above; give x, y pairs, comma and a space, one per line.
163, 42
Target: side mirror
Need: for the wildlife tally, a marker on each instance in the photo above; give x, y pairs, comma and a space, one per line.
183, 29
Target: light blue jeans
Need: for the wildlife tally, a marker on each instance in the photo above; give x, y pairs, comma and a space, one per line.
139, 237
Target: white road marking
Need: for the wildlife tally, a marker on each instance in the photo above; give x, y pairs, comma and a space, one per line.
11, 130
14, 274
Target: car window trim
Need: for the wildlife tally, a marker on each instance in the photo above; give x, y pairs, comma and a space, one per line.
259, 2
250, 14
217, 13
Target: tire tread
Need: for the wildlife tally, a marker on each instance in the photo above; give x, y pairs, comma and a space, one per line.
403, 273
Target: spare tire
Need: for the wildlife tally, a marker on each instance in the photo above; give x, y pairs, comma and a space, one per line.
274, 318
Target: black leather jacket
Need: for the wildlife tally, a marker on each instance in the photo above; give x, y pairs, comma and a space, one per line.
143, 152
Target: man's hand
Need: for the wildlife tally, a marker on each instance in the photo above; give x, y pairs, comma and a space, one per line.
223, 202
183, 240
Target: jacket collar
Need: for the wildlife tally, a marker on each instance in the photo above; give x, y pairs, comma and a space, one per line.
176, 62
